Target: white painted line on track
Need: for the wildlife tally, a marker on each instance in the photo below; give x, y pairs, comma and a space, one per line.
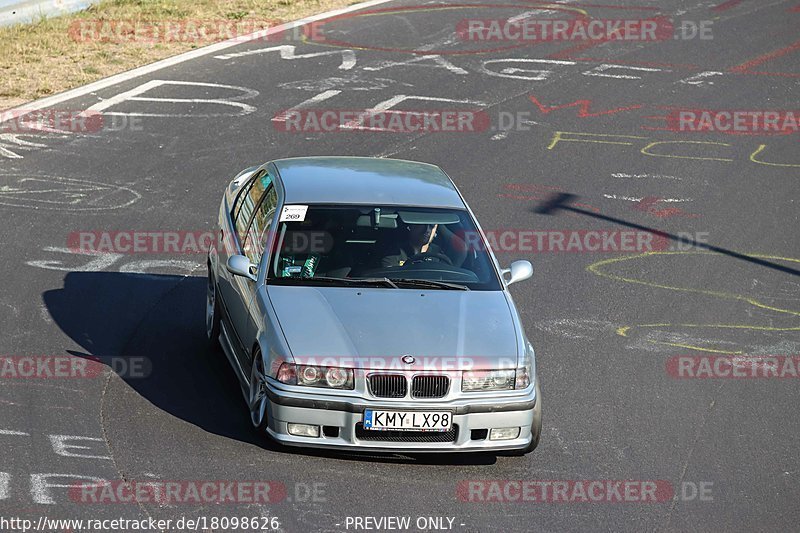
641, 176
287, 51
12, 432
635, 199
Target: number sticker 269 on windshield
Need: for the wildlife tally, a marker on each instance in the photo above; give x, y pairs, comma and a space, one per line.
293, 213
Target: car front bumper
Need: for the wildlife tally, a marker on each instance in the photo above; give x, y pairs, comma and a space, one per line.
339, 419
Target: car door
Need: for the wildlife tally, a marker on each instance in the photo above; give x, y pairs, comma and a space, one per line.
255, 249
237, 291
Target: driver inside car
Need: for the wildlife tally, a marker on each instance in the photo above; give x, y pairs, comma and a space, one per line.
418, 245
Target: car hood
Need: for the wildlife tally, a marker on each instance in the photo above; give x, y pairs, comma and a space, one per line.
373, 328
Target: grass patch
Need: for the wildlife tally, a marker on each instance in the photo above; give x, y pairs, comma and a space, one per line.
42, 58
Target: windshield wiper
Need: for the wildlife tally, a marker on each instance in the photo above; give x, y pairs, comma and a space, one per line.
394, 283
429, 284
344, 281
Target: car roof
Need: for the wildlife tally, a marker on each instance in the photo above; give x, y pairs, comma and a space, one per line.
366, 180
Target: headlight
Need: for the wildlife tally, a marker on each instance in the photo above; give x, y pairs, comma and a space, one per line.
339, 378
488, 380
316, 376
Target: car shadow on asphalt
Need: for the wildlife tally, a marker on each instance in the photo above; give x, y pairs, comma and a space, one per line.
150, 330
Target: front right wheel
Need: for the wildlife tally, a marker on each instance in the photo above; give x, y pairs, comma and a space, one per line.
212, 311
258, 399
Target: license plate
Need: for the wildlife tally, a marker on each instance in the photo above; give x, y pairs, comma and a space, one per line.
408, 420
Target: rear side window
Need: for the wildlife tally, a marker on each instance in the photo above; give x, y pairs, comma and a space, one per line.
259, 230
237, 202
247, 202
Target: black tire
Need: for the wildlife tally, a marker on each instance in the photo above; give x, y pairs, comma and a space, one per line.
257, 368
212, 308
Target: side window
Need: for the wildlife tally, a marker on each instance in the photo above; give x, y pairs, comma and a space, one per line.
247, 202
237, 202
257, 235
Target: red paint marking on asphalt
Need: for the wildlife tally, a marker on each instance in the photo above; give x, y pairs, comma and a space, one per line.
749, 65
600, 6
724, 6
587, 206
537, 198
424, 7
583, 108
401, 9
795, 9
524, 198
567, 53
673, 212
648, 205
536, 193
678, 66
665, 118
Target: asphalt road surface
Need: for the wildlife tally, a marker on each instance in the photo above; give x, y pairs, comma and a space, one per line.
607, 325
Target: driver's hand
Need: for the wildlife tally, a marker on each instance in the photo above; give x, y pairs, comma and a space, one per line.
427, 245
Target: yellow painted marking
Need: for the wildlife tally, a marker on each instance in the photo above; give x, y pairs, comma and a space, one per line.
558, 138
760, 149
652, 144
698, 348
593, 268
623, 331
714, 326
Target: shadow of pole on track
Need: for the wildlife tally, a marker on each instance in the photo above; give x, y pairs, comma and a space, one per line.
562, 201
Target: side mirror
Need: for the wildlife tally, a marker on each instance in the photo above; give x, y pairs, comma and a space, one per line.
520, 271
239, 265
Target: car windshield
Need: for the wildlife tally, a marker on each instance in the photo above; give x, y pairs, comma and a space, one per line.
383, 246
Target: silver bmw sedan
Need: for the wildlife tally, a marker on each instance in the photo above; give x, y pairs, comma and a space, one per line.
361, 308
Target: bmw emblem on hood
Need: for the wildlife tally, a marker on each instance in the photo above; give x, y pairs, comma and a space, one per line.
408, 359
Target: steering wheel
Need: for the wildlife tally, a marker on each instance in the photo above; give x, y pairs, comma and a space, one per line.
429, 256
